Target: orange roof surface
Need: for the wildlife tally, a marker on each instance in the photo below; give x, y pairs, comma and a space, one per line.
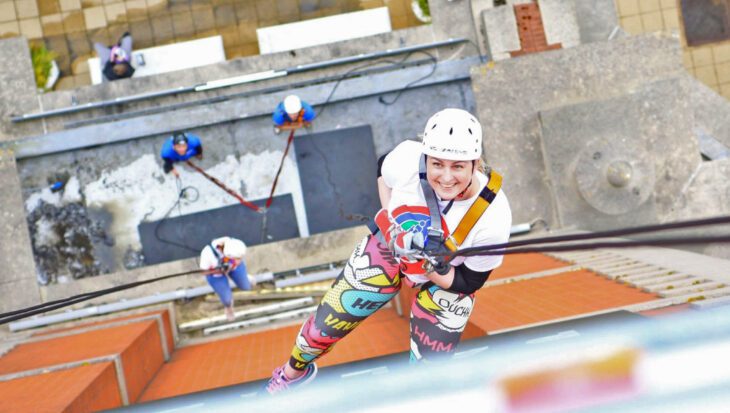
253, 356
84, 388
73, 348
163, 312
547, 298
525, 264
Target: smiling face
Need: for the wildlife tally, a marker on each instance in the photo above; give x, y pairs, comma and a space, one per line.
449, 178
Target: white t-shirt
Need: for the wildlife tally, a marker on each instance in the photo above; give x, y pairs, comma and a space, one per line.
208, 259
400, 173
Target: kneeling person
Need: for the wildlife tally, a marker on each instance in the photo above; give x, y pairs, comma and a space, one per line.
223, 259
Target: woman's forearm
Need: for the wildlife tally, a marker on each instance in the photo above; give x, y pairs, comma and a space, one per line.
443, 281
384, 192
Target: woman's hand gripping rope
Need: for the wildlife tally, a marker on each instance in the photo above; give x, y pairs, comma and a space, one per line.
412, 246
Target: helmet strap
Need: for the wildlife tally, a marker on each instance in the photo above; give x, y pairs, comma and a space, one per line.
461, 194
473, 165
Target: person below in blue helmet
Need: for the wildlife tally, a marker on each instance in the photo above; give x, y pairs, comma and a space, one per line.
292, 113
179, 147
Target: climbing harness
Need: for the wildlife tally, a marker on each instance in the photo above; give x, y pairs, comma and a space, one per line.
437, 239
223, 186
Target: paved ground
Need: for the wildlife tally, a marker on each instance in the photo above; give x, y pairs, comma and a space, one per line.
70, 27
707, 61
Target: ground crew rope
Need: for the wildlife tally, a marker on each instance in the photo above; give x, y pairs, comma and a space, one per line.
498, 249
269, 200
281, 166
238, 196
223, 186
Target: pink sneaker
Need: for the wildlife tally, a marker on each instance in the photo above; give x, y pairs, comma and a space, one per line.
279, 382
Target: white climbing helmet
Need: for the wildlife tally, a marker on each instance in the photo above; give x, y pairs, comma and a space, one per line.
234, 248
231, 247
453, 134
292, 104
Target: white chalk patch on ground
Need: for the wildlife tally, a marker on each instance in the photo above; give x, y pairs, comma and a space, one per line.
72, 191
44, 234
141, 190
34, 200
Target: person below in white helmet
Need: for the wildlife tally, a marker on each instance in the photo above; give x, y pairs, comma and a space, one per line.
292, 113
468, 209
223, 259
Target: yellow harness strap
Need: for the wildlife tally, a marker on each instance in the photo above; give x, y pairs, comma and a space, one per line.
476, 210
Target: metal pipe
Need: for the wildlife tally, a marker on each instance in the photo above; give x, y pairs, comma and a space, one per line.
309, 278
373, 55
119, 306
102, 104
232, 81
287, 315
519, 229
236, 95
258, 311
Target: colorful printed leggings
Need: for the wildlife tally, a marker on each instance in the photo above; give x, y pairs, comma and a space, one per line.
368, 281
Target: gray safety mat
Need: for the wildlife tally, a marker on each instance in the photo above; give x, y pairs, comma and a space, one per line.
338, 172
184, 236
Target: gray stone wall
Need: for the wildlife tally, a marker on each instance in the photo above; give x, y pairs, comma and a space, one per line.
18, 92
510, 94
18, 285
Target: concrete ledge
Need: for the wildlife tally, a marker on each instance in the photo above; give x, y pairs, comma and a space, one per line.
314, 250
500, 28
114, 359
18, 285
89, 385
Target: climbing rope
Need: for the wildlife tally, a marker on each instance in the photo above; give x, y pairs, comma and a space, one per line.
496, 249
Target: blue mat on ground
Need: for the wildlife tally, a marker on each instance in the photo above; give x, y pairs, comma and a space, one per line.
184, 236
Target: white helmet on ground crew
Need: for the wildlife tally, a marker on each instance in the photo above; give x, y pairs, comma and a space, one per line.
453, 134
234, 248
231, 247
292, 104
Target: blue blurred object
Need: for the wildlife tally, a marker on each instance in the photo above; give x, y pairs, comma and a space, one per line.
57, 186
